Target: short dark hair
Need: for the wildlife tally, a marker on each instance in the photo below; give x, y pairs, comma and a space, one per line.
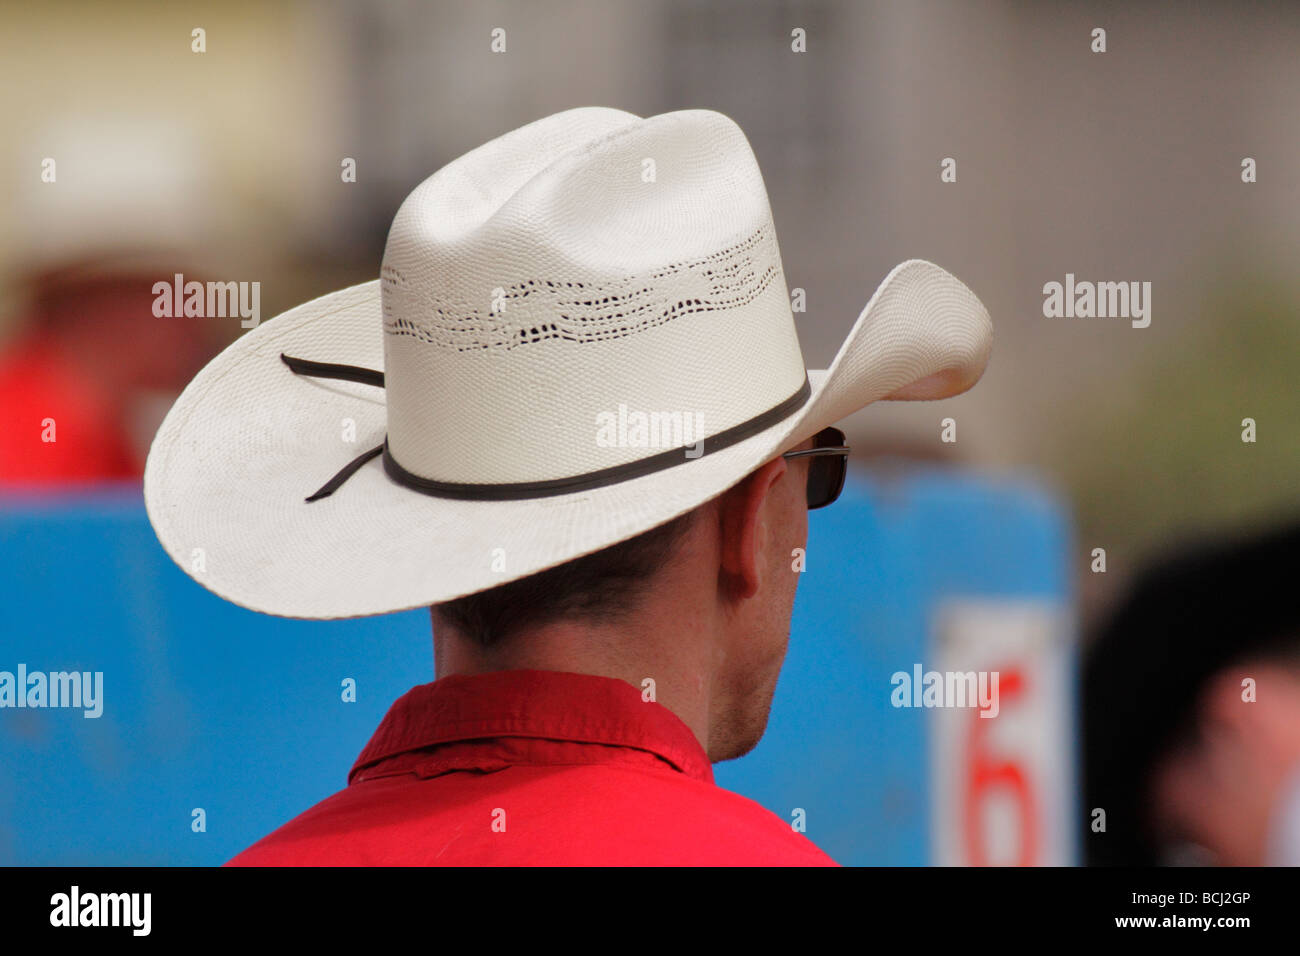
601, 586
1203, 607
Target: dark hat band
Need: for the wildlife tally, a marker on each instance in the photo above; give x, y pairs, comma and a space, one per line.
515, 491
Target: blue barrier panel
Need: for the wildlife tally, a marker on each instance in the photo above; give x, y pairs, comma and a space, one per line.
210, 707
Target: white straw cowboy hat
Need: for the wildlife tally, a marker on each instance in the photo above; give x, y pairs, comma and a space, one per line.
445, 418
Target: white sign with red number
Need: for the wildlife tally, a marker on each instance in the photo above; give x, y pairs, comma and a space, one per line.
1003, 785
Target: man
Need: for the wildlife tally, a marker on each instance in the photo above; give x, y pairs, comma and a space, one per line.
1192, 710
598, 442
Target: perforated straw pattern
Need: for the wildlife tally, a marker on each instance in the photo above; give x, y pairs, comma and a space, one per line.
585, 311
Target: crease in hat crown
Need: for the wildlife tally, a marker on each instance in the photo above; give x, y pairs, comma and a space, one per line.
587, 261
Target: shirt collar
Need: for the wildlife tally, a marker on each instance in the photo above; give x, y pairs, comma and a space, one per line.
541, 705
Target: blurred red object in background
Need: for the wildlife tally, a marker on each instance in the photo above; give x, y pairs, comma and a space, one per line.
72, 381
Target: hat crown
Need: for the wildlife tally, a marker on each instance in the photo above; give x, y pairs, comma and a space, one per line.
583, 269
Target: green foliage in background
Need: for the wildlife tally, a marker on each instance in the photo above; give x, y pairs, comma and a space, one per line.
1160, 457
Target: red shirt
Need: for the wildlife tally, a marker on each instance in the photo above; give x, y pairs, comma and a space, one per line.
533, 767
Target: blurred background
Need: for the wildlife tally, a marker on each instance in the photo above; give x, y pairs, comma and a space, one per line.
129, 157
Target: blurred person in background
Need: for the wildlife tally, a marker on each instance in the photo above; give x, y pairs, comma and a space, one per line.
78, 378
1192, 711
87, 369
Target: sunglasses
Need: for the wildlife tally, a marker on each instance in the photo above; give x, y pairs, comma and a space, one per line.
829, 463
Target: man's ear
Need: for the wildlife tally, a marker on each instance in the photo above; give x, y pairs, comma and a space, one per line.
742, 527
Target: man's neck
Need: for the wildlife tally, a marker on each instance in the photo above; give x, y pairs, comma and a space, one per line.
656, 660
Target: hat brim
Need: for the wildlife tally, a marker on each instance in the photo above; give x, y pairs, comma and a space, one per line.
248, 441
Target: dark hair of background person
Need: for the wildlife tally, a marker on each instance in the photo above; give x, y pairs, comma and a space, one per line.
1186, 618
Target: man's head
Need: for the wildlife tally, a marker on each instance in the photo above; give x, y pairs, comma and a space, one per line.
700, 606
1192, 709
1224, 786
